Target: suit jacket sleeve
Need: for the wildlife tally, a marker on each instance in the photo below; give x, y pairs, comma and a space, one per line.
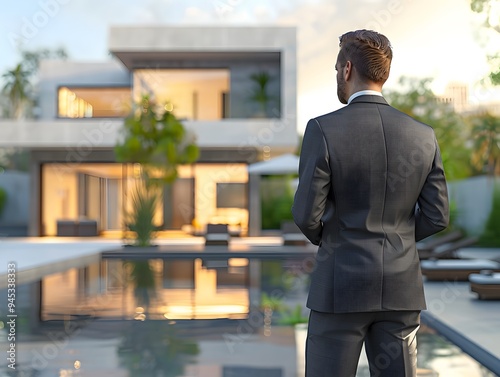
314, 183
432, 214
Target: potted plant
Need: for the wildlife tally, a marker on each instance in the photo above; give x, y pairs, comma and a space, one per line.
259, 93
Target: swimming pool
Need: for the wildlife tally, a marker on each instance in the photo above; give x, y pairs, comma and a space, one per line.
213, 316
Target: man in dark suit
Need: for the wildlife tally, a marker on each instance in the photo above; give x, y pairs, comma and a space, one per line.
371, 184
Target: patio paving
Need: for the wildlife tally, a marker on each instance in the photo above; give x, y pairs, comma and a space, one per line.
455, 305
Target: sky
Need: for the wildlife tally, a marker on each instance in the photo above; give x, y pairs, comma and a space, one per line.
430, 38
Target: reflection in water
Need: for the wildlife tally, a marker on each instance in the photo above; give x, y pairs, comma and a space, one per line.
153, 349
153, 289
436, 353
143, 281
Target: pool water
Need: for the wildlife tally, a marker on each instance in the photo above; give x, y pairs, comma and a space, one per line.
181, 318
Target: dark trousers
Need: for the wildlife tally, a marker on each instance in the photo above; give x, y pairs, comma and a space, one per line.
334, 343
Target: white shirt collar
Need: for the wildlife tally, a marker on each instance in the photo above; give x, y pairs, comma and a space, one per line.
364, 93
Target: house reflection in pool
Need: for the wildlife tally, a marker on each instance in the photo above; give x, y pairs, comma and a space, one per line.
154, 289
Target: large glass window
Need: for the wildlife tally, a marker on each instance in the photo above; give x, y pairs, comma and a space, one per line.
75, 195
193, 94
232, 195
94, 102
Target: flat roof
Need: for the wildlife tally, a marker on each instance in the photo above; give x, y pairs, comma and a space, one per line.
142, 45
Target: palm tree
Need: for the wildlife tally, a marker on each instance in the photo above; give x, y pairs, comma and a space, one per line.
16, 87
486, 135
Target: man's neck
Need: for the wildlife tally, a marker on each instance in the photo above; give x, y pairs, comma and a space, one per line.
359, 86
366, 92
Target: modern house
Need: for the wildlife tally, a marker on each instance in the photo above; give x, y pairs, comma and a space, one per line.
233, 87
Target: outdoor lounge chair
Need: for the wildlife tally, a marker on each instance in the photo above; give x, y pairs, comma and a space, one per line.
486, 285
449, 250
291, 234
217, 234
426, 248
456, 269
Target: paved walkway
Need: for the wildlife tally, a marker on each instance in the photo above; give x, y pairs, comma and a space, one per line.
454, 304
37, 257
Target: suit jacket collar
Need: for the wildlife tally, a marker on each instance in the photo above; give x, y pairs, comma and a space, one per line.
369, 99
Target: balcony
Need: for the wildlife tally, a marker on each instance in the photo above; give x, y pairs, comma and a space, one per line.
104, 132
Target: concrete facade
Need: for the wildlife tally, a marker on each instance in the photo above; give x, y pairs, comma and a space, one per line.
56, 73
240, 137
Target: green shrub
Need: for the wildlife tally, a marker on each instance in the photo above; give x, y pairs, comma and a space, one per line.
491, 233
3, 199
292, 316
141, 217
277, 200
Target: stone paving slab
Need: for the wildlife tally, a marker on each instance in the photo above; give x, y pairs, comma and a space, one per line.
454, 304
37, 257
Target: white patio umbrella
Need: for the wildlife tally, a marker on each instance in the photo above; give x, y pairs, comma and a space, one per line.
284, 164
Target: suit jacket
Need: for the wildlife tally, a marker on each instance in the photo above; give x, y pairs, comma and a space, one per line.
371, 184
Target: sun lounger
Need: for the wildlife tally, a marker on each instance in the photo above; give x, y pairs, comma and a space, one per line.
426, 248
217, 234
449, 250
456, 269
486, 285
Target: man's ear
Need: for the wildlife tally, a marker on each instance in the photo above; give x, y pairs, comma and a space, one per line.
347, 70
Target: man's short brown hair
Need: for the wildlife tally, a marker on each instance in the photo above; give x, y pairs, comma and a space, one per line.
369, 52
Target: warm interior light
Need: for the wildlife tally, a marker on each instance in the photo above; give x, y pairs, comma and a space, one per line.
238, 262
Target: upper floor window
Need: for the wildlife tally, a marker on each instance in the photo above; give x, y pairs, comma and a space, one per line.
193, 94
241, 91
94, 102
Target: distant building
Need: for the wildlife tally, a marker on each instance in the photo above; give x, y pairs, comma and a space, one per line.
205, 74
458, 96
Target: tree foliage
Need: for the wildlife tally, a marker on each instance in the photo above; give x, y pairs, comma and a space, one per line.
31, 59
17, 87
18, 82
277, 200
417, 100
486, 137
156, 139
491, 236
489, 10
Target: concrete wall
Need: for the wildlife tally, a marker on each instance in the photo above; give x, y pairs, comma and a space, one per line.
248, 49
473, 198
256, 48
56, 73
